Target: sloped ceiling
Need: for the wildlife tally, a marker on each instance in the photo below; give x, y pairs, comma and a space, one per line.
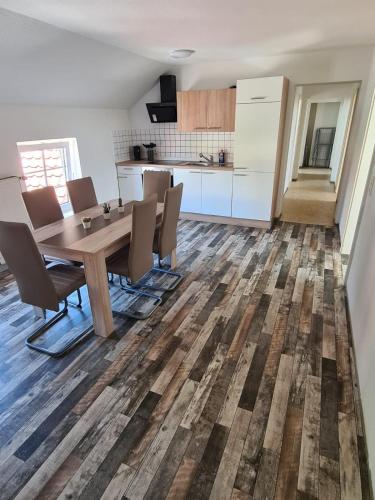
217, 29
43, 64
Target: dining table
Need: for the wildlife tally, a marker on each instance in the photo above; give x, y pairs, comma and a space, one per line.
67, 239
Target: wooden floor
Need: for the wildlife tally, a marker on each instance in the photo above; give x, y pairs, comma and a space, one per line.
240, 386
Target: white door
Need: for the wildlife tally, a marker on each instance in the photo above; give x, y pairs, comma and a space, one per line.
216, 193
192, 190
256, 136
131, 187
252, 195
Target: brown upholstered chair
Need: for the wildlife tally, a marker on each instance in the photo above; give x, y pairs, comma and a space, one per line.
42, 206
136, 260
165, 240
44, 288
156, 183
82, 194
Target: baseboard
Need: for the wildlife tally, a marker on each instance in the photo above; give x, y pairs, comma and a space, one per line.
217, 219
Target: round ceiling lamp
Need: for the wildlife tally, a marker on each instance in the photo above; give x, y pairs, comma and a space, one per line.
181, 53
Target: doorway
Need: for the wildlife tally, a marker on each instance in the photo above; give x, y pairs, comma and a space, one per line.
321, 122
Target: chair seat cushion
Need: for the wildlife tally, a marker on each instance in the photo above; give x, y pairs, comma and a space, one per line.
66, 279
118, 262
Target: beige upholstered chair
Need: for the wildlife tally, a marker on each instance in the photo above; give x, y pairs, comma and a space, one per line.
82, 194
156, 183
38, 286
136, 260
165, 240
42, 206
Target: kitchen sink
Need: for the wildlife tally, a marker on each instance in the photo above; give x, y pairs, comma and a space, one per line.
196, 164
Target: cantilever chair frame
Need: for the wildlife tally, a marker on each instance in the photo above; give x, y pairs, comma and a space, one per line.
73, 342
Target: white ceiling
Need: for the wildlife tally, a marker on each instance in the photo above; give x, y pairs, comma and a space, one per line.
42, 64
215, 28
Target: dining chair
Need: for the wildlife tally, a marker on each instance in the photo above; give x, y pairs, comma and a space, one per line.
156, 182
135, 260
42, 206
165, 239
42, 287
82, 194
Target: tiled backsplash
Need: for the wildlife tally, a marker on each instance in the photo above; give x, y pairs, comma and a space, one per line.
171, 144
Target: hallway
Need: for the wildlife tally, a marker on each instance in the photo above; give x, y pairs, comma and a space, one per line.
311, 199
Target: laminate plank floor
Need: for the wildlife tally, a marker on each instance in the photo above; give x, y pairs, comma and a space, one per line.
241, 385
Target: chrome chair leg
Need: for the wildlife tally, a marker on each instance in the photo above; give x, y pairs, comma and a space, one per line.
67, 346
79, 303
135, 289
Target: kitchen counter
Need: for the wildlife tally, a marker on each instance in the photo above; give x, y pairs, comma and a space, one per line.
174, 164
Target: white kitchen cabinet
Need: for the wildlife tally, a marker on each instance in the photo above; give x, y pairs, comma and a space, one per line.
131, 187
256, 137
192, 190
216, 193
252, 195
254, 90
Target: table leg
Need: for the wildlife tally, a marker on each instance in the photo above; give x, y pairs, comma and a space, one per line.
173, 259
97, 285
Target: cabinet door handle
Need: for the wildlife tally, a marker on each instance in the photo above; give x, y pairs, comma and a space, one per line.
123, 177
240, 175
258, 98
210, 128
240, 168
209, 173
200, 128
194, 172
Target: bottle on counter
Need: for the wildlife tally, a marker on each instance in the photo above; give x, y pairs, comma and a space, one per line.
222, 157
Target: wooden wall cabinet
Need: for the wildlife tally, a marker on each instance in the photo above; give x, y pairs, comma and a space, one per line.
206, 110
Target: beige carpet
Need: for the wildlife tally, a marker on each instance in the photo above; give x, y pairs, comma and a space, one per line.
311, 199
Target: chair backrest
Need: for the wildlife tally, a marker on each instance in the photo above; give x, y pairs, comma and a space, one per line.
156, 183
42, 206
168, 230
26, 264
141, 258
82, 194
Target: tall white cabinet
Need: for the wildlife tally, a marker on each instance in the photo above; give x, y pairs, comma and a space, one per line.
260, 115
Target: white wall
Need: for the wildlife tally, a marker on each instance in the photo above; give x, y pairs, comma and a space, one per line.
92, 128
361, 299
343, 120
301, 68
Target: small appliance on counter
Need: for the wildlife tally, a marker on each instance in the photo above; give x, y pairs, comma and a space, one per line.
150, 151
137, 152
222, 157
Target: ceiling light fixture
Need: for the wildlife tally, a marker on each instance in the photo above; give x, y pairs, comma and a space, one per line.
181, 53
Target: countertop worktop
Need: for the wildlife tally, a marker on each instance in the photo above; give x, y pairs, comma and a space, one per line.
174, 164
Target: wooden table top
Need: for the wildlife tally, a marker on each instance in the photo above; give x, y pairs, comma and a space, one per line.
68, 239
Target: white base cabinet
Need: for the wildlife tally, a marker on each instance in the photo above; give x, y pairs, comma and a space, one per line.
192, 191
252, 195
217, 193
131, 187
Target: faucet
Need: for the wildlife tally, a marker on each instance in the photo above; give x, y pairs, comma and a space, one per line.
210, 159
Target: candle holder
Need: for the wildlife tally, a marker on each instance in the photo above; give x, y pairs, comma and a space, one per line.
121, 208
106, 211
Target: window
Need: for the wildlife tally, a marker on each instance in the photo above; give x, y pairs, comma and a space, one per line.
50, 163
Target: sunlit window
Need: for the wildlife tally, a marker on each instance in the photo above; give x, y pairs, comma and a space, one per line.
50, 163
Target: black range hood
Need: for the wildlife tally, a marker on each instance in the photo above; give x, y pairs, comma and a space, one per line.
166, 110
